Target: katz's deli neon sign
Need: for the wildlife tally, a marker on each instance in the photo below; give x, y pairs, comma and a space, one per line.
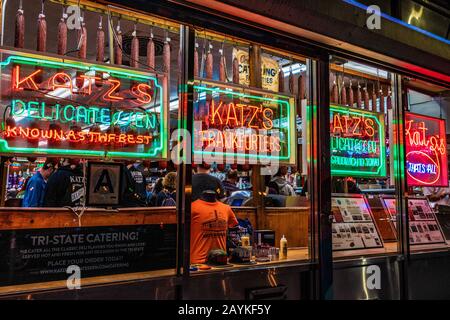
252, 125
357, 143
426, 151
68, 107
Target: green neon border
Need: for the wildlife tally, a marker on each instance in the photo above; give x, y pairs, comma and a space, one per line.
120, 73
244, 95
381, 172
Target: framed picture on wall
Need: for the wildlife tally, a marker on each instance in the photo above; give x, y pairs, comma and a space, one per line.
104, 184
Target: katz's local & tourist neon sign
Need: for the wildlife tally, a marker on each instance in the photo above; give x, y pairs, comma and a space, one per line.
252, 125
426, 151
68, 107
358, 146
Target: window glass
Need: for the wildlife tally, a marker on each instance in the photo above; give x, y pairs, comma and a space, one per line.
426, 127
250, 138
86, 102
362, 146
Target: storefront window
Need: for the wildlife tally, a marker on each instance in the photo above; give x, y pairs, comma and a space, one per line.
426, 149
85, 113
250, 131
362, 156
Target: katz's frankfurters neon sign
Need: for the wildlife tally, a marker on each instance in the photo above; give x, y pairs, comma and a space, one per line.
426, 151
68, 107
358, 146
254, 125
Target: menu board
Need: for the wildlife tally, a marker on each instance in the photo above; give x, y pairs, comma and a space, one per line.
353, 224
423, 225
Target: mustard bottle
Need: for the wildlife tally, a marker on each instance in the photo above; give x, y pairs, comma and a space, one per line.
283, 248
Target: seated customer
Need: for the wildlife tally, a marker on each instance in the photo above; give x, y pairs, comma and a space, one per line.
210, 220
167, 196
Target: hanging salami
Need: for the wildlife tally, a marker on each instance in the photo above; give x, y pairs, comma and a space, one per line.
19, 34
302, 86
151, 52
209, 63
42, 31
118, 45
374, 98
196, 67
166, 56
381, 100
281, 81
62, 35
222, 74
134, 58
334, 93
100, 43
358, 96
351, 99
291, 81
366, 98
82, 50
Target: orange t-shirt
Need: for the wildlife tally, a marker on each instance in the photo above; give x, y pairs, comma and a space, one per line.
209, 225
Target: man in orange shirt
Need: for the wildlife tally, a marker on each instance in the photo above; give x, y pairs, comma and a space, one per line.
209, 224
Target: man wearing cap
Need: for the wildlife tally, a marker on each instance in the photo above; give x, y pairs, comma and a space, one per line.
37, 186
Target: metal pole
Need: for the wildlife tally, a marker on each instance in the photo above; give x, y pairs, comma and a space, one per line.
184, 172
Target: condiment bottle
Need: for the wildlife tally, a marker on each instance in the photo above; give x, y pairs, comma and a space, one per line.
283, 248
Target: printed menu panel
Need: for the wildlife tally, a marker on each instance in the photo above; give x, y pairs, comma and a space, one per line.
424, 228
353, 225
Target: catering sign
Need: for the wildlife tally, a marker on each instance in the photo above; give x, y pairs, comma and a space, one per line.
426, 151
252, 124
358, 146
54, 106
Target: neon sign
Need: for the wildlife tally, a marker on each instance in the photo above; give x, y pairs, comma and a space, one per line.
426, 151
68, 107
358, 146
254, 125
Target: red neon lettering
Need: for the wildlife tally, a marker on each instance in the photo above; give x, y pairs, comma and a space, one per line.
141, 91
89, 78
17, 82
61, 80
215, 112
115, 85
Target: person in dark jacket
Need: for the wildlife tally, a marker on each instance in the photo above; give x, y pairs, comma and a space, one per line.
229, 185
134, 191
167, 196
65, 187
35, 188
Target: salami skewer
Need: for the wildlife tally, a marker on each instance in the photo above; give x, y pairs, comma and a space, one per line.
19, 34
366, 98
151, 52
209, 63
62, 35
134, 58
118, 45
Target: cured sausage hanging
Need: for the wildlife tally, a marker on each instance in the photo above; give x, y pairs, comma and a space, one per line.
351, 99
358, 96
281, 80
82, 49
134, 58
62, 35
166, 55
222, 74
374, 98
301, 86
334, 92
118, 45
209, 63
100, 42
19, 34
151, 52
291, 80
196, 68
42, 31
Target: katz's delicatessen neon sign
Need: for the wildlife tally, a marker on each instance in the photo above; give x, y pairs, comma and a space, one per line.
237, 126
426, 151
52, 106
358, 146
